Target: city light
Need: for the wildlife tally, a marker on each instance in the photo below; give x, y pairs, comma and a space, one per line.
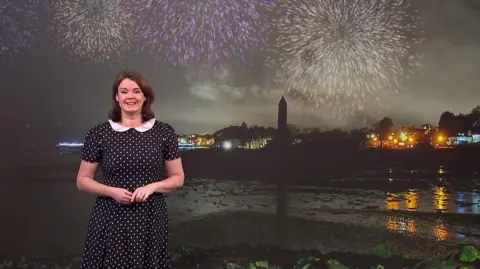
405, 138
196, 141
181, 145
70, 144
227, 145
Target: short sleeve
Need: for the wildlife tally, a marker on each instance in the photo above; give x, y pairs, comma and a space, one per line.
92, 150
170, 150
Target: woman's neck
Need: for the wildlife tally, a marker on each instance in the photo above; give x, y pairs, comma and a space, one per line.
131, 120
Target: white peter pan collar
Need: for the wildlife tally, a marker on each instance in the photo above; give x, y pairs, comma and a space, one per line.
142, 128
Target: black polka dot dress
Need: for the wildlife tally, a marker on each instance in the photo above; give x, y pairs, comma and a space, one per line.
131, 236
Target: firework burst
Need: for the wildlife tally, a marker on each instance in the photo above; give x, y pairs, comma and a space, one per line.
182, 31
95, 30
339, 107
18, 25
344, 51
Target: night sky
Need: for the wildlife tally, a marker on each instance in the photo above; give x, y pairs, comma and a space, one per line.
61, 98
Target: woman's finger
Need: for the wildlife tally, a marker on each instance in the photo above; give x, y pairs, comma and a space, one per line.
134, 196
139, 196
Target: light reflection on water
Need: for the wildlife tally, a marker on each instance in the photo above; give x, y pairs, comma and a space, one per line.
365, 205
415, 212
442, 197
401, 224
408, 226
436, 200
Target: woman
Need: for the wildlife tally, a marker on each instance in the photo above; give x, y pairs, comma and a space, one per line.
129, 224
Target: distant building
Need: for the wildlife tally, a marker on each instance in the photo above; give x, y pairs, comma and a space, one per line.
427, 127
282, 115
257, 143
282, 124
196, 140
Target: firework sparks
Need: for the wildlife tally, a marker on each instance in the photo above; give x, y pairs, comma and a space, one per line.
96, 30
18, 26
344, 50
181, 31
340, 107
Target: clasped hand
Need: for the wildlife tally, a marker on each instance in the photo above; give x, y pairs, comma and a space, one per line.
123, 196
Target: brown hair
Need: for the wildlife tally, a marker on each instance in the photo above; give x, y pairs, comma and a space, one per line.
115, 114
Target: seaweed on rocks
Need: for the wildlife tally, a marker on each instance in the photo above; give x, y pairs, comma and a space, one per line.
244, 256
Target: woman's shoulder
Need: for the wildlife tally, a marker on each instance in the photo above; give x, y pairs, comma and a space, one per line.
164, 126
99, 128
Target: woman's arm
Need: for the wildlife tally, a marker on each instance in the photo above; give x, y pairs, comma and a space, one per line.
175, 177
86, 181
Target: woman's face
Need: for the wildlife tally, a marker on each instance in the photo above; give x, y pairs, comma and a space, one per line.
130, 97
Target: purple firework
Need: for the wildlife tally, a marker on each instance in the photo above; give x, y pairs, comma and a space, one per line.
93, 30
18, 25
182, 31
